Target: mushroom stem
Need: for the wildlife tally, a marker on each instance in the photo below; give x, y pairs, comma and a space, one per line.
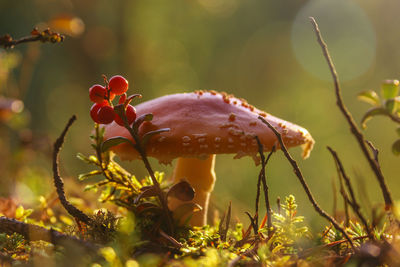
201, 176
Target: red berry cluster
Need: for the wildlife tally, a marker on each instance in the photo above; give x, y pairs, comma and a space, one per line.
102, 110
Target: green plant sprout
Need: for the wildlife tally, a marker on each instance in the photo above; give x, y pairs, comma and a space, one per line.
388, 104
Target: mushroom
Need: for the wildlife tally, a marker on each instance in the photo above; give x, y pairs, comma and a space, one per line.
202, 124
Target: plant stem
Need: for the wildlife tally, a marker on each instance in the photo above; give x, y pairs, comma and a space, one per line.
161, 196
353, 126
304, 184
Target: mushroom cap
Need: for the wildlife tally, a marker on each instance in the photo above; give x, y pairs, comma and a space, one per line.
207, 122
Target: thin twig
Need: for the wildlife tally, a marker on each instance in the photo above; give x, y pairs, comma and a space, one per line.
249, 252
353, 203
223, 230
172, 240
6, 41
308, 252
33, 232
343, 193
353, 126
264, 182
304, 184
334, 192
58, 181
253, 222
375, 152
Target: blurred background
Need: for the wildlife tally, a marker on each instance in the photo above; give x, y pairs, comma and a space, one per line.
263, 51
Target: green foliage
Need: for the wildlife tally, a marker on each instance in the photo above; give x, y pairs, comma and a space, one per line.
388, 106
15, 246
288, 228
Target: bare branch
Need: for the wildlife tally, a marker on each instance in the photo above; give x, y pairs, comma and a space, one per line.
6, 41
299, 175
353, 126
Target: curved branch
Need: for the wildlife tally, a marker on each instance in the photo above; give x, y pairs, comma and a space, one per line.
58, 182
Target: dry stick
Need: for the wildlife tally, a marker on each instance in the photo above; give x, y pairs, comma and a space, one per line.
264, 182
6, 41
375, 151
353, 126
304, 184
343, 193
35, 233
353, 203
334, 192
257, 200
58, 182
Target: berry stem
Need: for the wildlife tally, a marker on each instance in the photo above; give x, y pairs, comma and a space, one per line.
140, 149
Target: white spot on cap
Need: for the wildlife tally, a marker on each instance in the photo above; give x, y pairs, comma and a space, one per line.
217, 139
186, 139
199, 135
234, 132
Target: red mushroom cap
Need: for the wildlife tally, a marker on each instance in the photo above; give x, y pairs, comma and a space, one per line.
207, 122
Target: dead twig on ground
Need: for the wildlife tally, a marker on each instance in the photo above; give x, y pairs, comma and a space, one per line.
35, 233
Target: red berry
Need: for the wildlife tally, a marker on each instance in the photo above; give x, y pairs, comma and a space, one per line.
106, 114
130, 115
94, 110
97, 93
118, 84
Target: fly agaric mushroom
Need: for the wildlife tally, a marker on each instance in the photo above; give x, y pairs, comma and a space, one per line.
202, 124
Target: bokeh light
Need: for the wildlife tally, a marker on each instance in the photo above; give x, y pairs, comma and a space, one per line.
347, 30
